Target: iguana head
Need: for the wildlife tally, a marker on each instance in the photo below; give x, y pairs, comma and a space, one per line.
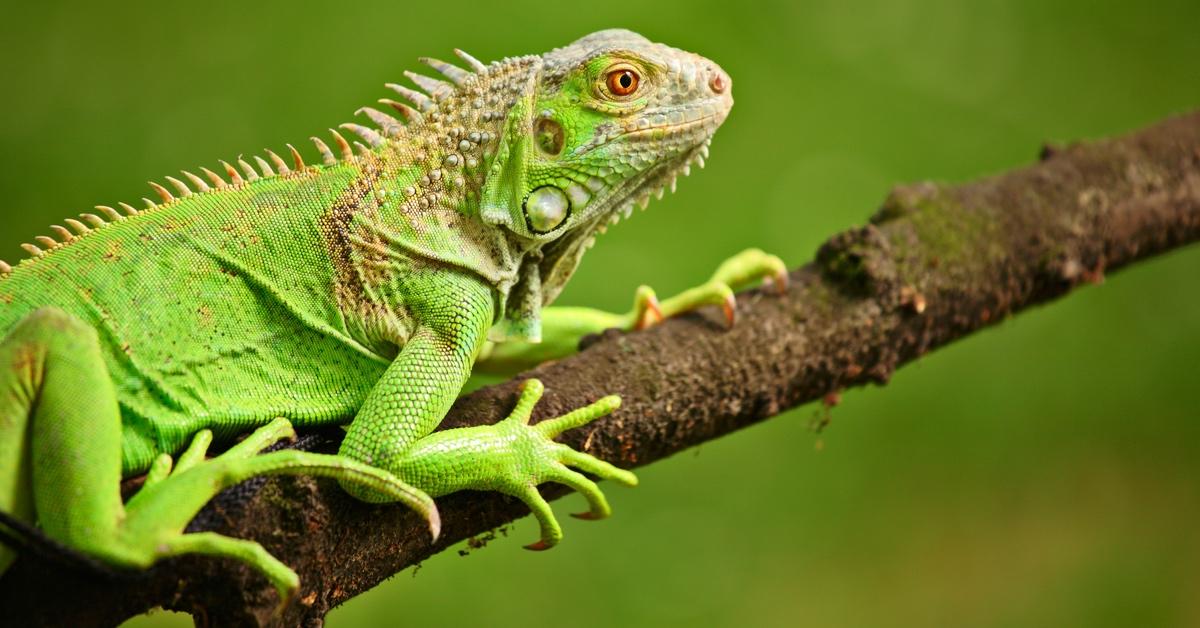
541, 153
606, 122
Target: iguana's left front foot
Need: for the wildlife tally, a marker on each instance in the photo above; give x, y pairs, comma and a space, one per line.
735, 273
514, 457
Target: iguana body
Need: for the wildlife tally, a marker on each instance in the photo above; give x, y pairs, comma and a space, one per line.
361, 292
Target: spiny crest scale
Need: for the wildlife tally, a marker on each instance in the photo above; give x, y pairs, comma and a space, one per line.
96, 221
264, 167
457, 75
476, 65
423, 103
368, 134
244, 173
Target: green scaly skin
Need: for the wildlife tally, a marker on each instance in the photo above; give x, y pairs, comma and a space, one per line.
359, 292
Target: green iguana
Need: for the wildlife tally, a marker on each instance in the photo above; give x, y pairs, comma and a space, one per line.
359, 292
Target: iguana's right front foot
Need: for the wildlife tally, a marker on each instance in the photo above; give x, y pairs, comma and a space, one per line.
514, 457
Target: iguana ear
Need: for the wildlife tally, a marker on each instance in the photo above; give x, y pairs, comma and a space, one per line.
505, 188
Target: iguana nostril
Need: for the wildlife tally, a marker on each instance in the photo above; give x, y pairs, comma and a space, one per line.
718, 82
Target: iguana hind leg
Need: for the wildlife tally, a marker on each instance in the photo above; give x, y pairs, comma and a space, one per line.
60, 434
60, 459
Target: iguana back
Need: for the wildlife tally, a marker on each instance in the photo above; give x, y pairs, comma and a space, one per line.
216, 310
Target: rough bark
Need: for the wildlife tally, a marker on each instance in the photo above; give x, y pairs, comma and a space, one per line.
935, 263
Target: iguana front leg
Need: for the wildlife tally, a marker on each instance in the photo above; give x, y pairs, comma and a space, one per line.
394, 428
563, 327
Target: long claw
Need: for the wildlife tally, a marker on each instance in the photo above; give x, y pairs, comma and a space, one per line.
780, 282
285, 600
434, 519
652, 315
586, 516
647, 311
540, 546
730, 308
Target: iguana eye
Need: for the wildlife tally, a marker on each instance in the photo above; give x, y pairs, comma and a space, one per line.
546, 208
623, 82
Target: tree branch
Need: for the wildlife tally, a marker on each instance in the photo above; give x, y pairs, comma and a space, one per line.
934, 264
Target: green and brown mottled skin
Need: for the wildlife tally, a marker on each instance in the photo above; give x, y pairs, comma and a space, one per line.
362, 291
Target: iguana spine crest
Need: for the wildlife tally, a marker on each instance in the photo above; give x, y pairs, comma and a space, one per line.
435, 90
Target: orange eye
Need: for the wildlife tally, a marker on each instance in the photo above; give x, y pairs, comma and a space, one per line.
622, 82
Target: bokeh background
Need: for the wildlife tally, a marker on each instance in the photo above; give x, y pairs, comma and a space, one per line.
1045, 472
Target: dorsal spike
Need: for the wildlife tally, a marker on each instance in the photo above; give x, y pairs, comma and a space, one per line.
149, 203
390, 126
183, 190
423, 102
432, 86
264, 166
129, 209
94, 220
79, 227
280, 165
476, 65
216, 179
235, 177
33, 250
5, 268
111, 213
342, 145
199, 183
62, 233
411, 116
251, 174
46, 241
457, 75
296, 158
327, 157
362, 148
368, 134
162, 192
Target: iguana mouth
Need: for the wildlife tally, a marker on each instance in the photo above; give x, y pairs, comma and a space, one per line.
651, 130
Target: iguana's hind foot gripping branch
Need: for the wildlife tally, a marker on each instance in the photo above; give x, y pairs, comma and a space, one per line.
60, 460
169, 499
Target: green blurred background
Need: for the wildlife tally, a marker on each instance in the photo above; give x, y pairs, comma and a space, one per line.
1042, 473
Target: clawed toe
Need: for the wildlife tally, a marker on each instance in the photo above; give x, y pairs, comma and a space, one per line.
556, 462
738, 272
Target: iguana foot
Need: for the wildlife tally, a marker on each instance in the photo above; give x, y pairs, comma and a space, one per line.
514, 457
735, 273
156, 516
